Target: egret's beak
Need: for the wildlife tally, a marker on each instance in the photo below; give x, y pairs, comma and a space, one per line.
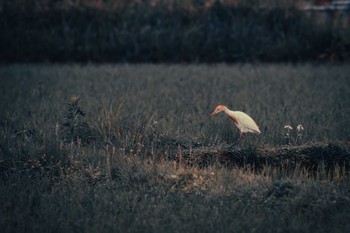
213, 113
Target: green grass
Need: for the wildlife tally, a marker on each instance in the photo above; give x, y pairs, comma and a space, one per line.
135, 123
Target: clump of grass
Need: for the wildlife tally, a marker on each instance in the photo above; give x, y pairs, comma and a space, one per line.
75, 127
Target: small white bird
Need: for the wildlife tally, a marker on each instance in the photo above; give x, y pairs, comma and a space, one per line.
243, 121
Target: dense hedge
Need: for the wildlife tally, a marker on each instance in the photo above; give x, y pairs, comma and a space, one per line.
158, 34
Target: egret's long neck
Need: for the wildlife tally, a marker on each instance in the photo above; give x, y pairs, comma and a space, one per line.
227, 111
231, 115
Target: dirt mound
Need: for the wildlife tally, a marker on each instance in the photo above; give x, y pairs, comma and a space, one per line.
311, 157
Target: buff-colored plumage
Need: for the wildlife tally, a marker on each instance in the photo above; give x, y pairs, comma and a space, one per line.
243, 121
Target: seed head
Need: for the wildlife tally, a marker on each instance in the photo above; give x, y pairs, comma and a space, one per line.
74, 100
288, 127
300, 128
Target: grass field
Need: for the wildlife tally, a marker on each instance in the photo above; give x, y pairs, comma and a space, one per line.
139, 152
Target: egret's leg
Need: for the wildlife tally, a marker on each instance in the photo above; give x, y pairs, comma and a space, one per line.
239, 139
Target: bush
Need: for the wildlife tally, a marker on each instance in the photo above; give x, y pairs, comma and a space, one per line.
160, 33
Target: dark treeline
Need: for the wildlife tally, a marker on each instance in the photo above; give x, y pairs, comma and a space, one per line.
161, 34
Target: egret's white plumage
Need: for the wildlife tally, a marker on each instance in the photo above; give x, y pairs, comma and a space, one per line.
243, 121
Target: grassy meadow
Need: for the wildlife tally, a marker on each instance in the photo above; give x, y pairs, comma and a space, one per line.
133, 148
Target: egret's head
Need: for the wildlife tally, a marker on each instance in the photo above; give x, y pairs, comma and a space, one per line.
218, 109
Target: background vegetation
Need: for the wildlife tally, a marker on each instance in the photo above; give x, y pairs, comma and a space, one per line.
167, 31
140, 152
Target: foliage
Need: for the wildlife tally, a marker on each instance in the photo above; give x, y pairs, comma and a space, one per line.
178, 32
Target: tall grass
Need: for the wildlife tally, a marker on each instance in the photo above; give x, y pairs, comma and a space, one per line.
150, 132
147, 198
177, 100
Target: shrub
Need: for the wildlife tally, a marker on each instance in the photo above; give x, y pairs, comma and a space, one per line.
165, 33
